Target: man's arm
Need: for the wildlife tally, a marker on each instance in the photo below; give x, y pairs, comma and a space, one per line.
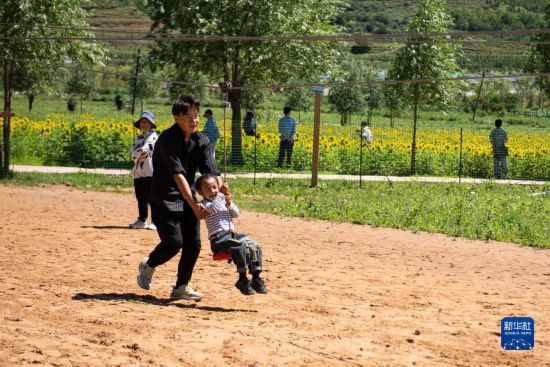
188, 196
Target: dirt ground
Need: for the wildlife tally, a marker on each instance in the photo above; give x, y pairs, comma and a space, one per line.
340, 294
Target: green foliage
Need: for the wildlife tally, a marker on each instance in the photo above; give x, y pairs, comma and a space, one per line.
348, 100
487, 212
539, 55
299, 99
78, 146
246, 63
424, 58
80, 82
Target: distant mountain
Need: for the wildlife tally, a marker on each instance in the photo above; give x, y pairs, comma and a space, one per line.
390, 16
367, 16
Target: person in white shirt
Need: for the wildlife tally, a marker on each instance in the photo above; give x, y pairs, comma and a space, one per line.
366, 133
245, 252
142, 172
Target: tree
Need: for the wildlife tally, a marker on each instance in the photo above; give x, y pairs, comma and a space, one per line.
246, 63
21, 22
373, 96
349, 99
299, 99
426, 57
539, 56
28, 81
393, 100
253, 97
145, 88
81, 82
346, 100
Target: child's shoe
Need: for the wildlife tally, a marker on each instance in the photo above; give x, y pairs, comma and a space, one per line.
244, 286
258, 285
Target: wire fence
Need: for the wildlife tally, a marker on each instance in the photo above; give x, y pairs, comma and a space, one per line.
442, 149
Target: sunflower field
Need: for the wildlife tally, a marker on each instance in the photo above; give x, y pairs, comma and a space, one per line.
85, 141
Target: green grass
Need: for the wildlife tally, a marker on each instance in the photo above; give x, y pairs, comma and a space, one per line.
486, 212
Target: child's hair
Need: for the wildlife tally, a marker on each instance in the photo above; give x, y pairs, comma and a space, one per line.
184, 103
199, 182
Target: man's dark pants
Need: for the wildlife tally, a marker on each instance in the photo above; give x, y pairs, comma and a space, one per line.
177, 231
285, 146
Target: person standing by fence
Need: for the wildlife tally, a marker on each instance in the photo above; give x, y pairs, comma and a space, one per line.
498, 139
287, 129
211, 130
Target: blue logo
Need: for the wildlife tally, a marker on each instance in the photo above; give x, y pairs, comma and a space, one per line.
517, 333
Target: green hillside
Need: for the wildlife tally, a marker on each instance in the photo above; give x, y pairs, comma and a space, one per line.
368, 16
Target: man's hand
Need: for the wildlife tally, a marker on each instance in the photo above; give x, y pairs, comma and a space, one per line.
199, 210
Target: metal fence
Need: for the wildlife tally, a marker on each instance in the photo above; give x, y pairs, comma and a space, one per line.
441, 151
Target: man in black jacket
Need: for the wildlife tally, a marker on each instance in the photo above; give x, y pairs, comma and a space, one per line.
179, 152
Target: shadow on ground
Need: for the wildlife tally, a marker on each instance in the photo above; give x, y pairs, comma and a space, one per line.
107, 227
136, 298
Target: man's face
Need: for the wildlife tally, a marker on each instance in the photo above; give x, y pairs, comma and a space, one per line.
209, 189
188, 122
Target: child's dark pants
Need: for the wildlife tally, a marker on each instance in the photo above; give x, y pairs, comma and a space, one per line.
245, 253
142, 186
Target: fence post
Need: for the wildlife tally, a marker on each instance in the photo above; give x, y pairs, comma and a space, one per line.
478, 95
319, 91
460, 159
136, 72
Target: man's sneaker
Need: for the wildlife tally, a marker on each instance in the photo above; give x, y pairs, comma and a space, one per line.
145, 276
152, 227
185, 292
138, 224
258, 285
244, 286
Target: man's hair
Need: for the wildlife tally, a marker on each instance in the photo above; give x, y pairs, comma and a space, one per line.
498, 122
202, 178
287, 110
184, 103
208, 112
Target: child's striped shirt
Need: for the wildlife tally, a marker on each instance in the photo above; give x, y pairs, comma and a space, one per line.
219, 218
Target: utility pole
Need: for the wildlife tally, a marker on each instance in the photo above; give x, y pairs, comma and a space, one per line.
136, 73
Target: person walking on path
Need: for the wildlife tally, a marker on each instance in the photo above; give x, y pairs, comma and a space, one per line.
180, 150
498, 139
142, 155
287, 129
211, 130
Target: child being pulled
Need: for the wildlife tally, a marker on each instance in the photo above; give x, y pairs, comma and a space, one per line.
245, 253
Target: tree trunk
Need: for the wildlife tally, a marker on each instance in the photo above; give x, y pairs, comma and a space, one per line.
413, 150
31, 100
7, 117
236, 130
81, 104
391, 116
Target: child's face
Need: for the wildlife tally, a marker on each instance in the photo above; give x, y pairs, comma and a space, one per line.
209, 189
145, 125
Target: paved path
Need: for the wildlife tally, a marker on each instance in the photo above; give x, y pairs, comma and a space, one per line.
122, 172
